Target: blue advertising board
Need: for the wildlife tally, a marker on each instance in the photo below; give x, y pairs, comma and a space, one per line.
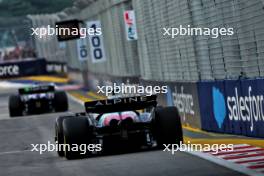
22, 68
56, 67
184, 96
232, 106
29, 67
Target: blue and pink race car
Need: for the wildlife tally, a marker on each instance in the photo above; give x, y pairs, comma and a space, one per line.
119, 124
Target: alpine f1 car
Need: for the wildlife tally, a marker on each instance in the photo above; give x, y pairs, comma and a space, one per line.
36, 100
132, 122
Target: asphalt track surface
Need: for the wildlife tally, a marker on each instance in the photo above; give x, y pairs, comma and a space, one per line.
16, 159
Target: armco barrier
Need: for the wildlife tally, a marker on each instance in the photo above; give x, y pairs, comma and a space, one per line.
233, 106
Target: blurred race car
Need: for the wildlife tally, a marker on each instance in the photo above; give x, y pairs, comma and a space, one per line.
37, 99
119, 123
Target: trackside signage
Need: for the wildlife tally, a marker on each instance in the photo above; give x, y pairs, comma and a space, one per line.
22, 68
96, 43
185, 97
56, 67
235, 107
130, 25
82, 49
9, 70
31, 67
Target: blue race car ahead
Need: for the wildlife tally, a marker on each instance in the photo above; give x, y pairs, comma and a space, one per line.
37, 100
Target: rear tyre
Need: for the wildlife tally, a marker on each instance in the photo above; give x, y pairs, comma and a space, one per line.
60, 101
76, 131
167, 127
15, 106
59, 137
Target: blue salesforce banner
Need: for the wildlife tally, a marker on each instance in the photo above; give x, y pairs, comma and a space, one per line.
232, 106
29, 67
22, 68
250, 106
212, 106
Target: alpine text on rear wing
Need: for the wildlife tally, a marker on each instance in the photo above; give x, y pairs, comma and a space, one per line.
120, 104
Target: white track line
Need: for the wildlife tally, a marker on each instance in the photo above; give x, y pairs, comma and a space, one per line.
14, 152
75, 99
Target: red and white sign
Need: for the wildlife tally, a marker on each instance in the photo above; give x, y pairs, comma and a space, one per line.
244, 155
130, 25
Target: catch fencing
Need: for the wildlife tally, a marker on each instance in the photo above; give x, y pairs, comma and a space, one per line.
157, 57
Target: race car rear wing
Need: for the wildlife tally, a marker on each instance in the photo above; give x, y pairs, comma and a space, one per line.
36, 89
120, 104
